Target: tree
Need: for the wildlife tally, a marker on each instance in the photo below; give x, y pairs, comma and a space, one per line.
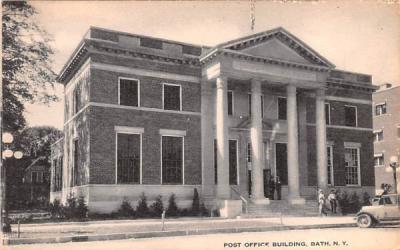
27, 73
195, 203
36, 141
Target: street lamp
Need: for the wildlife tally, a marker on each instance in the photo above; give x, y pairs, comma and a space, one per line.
394, 163
7, 138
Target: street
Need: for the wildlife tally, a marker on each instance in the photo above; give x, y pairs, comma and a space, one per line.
382, 238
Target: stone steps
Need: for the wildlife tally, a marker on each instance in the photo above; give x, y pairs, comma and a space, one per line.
281, 208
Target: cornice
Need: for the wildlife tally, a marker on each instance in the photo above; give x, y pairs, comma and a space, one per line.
91, 46
267, 60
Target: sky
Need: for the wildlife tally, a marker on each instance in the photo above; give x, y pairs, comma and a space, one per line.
359, 36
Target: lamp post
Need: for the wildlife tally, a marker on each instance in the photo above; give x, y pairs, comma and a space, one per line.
7, 138
393, 165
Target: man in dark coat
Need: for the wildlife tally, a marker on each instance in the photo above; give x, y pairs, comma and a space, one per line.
271, 188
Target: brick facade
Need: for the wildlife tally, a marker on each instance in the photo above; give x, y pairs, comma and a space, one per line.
105, 56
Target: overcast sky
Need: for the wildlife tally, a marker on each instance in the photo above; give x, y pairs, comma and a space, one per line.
360, 36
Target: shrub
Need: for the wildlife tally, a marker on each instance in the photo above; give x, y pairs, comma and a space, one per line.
81, 210
157, 207
56, 209
70, 207
203, 210
185, 212
126, 209
196, 203
366, 199
142, 210
172, 209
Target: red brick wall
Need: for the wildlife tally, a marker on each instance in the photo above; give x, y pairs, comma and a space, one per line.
102, 142
338, 137
104, 89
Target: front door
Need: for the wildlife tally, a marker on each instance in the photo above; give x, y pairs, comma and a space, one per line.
281, 162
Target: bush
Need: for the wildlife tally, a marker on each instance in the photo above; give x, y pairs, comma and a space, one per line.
56, 209
126, 209
203, 210
172, 209
366, 199
157, 207
196, 203
142, 210
70, 207
81, 211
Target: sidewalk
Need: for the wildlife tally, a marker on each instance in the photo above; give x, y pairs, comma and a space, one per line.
124, 229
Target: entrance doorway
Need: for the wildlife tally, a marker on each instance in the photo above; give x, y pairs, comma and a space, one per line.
281, 164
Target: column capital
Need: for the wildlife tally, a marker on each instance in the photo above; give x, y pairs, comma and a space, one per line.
221, 82
320, 93
291, 88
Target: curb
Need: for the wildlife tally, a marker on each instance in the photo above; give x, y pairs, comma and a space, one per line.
139, 235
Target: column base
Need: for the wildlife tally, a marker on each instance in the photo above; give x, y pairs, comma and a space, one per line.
230, 208
297, 201
262, 201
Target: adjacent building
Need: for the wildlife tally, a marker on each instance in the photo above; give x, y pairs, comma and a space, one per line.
150, 115
386, 119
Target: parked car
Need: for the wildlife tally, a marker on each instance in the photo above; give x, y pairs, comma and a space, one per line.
383, 208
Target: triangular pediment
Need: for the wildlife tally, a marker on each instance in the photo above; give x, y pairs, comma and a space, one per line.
274, 48
278, 44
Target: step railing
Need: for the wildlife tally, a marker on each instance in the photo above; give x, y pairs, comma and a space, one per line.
246, 203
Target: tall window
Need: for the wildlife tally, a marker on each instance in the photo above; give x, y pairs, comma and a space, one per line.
262, 104
76, 163
380, 109
172, 97
172, 160
249, 153
282, 108
230, 102
57, 178
379, 160
352, 165
328, 113
128, 158
128, 92
215, 162
77, 99
329, 154
37, 177
233, 162
378, 135
350, 116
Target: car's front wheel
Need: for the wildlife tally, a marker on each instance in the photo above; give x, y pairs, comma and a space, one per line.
365, 220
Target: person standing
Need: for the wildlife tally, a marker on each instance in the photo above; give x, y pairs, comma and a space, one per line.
271, 188
321, 203
333, 201
278, 187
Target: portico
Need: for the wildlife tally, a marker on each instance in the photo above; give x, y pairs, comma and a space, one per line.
227, 67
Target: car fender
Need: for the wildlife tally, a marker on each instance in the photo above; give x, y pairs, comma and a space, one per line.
372, 216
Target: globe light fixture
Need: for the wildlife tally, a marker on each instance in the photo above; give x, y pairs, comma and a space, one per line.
8, 153
394, 164
18, 155
7, 137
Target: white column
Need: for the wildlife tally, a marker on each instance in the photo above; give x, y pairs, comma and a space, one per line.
257, 147
292, 148
221, 116
321, 140
207, 141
